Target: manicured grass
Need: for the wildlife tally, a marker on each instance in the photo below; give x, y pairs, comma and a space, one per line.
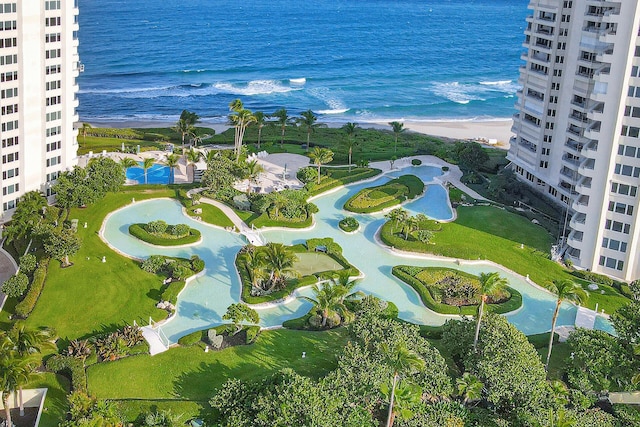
485, 232
264, 220
211, 215
97, 144
138, 231
92, 296
335, 177
392, 193
185, 409
55, 404
190, 373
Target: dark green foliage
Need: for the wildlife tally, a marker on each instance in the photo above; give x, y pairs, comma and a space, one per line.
181, 272
219, 176
392, 193
470, 155
191, 339
336, 177
252, 333
416, 162
124, 133
105, 175
25, 307
307, 174
239, 313
349, 224
153, 264
593, 277
156, 227
28, 263
16, 285
61, 244
197, 263
71, 366
428, 293
626, 322
164, 239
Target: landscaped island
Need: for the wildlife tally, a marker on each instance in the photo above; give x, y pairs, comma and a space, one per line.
274, 271
392, 193
449, 291
160, 233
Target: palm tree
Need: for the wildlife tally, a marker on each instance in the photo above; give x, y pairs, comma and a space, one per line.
398, 216
172, 161
184, 128
15, 371
330, 297
255, 265
261, 120
128, 162
402, 361
397, 128
320, 156
279, 260
469, 387
146, 164
489, 284
282, 119
240, 118
409, 225
27, 215
308, 120
85, 129
193, 157
566, 290
254, 169
350, 130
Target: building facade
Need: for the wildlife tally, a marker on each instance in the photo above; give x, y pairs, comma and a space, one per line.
578, 125
38, 95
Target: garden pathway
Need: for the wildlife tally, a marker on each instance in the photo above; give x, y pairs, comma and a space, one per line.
8, 268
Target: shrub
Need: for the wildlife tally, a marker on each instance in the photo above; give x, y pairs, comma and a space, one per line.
72, 366
416, 162
392, 193
24, 308
171, 290
16, 285
164, 239
593, 277
28, 263
153, 264
179, 230
191, 339
252, 334
307, 174
197, 264
349, 224
445, 168
156, 227
181, 272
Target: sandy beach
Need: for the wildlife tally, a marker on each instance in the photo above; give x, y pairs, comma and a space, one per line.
499, 130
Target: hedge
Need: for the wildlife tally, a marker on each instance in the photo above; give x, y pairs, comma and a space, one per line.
193, 338
73, 366
171, 290
252, 333
138, 231
593, 277
26, 306
349, 224
511, 304
328, 182
392, 193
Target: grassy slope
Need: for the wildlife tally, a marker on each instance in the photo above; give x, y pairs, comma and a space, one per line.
91, 295
190, 373
55, 404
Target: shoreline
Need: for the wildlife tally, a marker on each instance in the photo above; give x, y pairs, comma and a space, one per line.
498, 129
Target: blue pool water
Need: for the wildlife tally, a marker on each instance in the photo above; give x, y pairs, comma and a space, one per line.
203, 302
156, 174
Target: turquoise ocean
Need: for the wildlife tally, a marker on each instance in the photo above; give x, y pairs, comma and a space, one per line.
347, 60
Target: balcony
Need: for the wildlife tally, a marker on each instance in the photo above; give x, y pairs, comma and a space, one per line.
569, 174
574, 145
575, 237
571, 161
544, 30
581, 205
587, 167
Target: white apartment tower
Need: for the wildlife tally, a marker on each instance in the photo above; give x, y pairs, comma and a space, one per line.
38, 69
578, 125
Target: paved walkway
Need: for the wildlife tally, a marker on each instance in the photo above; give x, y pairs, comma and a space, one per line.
452, 176
8, 268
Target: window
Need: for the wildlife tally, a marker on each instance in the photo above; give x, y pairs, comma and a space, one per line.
10, 189
9, 205
10, 173
8, 158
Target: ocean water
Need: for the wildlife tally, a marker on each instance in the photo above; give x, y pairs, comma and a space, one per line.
347, 60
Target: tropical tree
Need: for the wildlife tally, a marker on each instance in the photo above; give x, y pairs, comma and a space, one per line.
172, 161
193, 157
320, 156
27, 215
239, 313
566, 290
397, 129
240, 118
489, 284
260, 121
84, 130
15, 371
128, 162
469, 387
146, 164
279, 261
409, 225
397, 215
255, 264
254, 169
183, 128
330, 296
189, 117
282, 120
61, 244
403, 362
350, 129
309, 120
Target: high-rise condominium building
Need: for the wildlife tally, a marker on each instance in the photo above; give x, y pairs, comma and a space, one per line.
578, 125
38, 69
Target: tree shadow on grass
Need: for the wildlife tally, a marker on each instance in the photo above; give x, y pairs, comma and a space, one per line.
204, 382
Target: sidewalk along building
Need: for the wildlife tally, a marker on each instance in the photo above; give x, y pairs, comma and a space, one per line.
577, 126
38, 68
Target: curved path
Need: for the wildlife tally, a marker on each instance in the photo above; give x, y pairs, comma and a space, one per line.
204, 300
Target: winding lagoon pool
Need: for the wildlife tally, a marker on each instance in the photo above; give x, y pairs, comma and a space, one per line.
205, 299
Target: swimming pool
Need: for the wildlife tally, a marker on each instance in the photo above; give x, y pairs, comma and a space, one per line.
203, 302
156, 174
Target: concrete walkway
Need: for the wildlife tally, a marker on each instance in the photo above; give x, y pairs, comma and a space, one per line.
8, 268
452, 176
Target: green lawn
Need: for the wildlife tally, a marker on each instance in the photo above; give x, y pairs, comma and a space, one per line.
55, 404
211, 215
92, 296
190, 373
392, 193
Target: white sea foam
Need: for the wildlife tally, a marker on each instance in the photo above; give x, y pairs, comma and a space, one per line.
255, 87
496, 83
123, 91
464, 93
299, 81
336, 111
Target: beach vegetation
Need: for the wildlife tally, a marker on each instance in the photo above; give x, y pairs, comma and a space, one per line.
240, 118
282, 120
397, 128
351, 142
260, 122
392, 193
309, 121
